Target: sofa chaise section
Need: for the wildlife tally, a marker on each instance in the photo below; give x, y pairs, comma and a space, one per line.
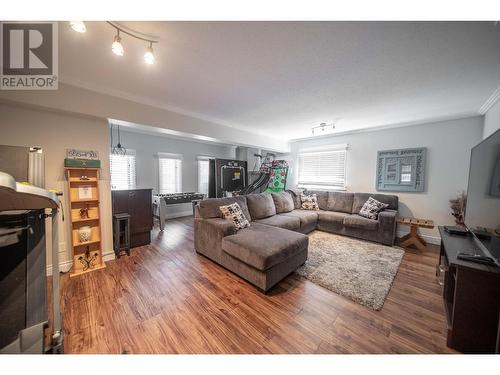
261, 254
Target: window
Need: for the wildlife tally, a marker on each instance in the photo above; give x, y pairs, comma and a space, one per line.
122, 170
323, 168
203, 173
170, 173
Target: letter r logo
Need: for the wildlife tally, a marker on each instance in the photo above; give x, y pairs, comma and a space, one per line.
27, 49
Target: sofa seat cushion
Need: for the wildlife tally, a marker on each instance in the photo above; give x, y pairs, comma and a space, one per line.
263, 246
306, 217
281, 221
332, 217
260, 205
356, 221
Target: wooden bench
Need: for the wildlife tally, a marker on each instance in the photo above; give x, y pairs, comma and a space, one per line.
413, 238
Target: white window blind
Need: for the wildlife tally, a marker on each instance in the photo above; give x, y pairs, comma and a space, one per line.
203, 173
123, 171
323, 169
170, 173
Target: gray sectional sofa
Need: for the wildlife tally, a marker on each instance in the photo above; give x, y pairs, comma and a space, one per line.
276, 244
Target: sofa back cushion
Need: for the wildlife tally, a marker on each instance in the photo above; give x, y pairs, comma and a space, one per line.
321, 196
260, 205
209, 208
295, 193
361, 198
283, 202
340, 201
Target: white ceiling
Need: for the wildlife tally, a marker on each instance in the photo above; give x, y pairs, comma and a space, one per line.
280, 78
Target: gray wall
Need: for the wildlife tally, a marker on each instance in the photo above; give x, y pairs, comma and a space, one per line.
448, 145
147, 147
492, 120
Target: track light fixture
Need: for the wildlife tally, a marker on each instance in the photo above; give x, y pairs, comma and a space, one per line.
117, 47
78, 26
149, 57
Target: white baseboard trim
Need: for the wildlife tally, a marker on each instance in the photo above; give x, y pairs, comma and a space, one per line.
429, 239
67, 264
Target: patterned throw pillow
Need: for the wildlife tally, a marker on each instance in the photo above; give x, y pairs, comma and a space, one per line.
371, 208
309, 202
233, 213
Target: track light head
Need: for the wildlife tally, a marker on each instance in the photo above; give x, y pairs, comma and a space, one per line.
78, 26
117, 47
149, 57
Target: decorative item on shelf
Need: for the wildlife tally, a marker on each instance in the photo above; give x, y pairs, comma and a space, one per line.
81, 154
457, 206
84, 212
85, 233
85, 192
84, 178
88, 260
82, 163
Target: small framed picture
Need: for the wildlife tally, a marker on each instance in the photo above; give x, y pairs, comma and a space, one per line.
85, 192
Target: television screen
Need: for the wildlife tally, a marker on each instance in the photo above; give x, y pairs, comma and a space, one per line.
482, 215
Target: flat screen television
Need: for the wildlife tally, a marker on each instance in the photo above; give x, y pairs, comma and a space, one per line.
482, 214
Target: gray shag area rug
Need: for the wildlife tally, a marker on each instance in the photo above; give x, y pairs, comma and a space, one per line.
359, 270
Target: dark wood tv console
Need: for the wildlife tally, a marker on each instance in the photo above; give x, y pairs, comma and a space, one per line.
471, 293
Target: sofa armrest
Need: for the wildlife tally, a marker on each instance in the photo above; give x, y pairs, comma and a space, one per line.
218, 227
208, 234
387, 223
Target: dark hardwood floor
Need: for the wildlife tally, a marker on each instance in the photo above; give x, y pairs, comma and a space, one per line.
165, 298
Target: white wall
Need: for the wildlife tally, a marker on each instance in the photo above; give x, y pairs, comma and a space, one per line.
448, 152
55, 132
147, 148
492, 120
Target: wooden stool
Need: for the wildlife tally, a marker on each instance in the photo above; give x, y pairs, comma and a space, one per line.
413, 238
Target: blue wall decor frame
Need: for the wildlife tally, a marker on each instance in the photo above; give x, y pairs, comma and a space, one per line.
401, 170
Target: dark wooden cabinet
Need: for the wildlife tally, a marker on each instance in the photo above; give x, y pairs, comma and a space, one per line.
138, 204
471, 296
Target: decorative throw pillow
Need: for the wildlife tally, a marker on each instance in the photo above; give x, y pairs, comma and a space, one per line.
371, 208
309, 202
233, 213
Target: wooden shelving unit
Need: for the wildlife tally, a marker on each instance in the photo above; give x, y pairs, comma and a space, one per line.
83, 185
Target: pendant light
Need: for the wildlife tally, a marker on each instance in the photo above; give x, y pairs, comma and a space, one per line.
117, 47
118, 149
149, 57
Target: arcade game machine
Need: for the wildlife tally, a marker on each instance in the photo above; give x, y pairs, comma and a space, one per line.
272, 177
226, 177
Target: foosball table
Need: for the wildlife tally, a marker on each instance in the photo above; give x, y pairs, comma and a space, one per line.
161, 201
